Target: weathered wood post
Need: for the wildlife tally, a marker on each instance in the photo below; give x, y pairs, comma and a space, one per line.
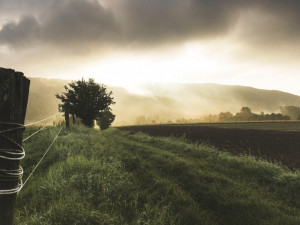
14, 90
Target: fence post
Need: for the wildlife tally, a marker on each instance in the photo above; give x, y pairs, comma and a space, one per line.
14, 90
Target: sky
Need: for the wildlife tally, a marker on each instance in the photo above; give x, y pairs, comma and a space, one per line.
126, 42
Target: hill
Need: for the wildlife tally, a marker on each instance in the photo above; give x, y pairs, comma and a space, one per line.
165, 102
213, 98
118, 177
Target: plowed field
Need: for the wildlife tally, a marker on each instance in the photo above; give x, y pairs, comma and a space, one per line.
276, 146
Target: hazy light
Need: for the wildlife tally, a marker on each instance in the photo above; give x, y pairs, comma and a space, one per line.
191, 63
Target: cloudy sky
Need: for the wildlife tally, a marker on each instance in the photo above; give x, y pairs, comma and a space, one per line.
124, 42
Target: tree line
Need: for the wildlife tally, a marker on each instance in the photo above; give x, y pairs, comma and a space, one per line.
245, 114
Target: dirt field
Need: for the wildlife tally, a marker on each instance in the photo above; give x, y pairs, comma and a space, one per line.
276, 146
260, 125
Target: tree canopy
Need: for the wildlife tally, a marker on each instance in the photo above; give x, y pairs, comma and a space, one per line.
86, 100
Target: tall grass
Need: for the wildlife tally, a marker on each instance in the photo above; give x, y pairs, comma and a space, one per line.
118, 177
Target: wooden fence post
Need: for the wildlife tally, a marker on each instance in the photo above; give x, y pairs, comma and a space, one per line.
14, 90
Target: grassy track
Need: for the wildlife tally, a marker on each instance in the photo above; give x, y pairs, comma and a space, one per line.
119, 177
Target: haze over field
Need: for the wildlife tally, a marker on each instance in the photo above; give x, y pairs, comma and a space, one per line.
164, 103
125, 42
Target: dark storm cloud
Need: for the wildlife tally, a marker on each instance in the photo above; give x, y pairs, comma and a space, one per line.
176, 16
20, 34
13, 8
79, 23
62, 23
158, 20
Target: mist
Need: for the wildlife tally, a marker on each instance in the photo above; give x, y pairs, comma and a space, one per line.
165, 102
241, 42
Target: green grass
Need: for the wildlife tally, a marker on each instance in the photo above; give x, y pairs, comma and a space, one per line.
119, 177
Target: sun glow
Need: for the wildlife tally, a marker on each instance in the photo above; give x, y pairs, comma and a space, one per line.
193, 62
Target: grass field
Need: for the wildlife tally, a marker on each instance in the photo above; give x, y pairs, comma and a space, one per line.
122, 177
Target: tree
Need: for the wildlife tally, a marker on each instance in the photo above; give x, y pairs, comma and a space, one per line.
246, 110
245, 114
85, 99
105, 119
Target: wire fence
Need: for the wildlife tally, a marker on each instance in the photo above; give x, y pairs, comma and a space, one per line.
16, 152
40, 129
30, 124
36, 166
21, 126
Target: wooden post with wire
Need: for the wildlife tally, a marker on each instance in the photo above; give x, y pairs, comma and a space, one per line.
14, 90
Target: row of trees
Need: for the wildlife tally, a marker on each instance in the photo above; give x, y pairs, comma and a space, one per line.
246, 115
287, 113
88, 101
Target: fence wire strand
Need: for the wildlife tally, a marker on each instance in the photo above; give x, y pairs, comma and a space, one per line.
30, 124
41, 158
38, 131
21, 126
18, 153
30, 136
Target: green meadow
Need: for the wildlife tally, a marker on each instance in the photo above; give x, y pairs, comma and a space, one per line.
121, 177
